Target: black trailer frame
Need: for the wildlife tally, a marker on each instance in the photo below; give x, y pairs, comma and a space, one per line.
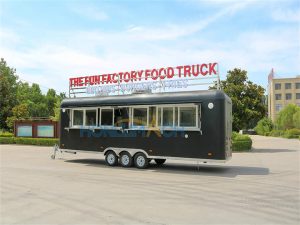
136, 128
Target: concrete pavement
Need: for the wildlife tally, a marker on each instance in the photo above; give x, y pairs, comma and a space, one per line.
259, 187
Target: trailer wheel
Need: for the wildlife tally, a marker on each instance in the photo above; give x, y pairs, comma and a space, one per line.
125, 159
160, 161
141, 160
111, 158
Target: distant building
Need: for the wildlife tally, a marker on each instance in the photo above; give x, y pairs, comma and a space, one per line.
281, 92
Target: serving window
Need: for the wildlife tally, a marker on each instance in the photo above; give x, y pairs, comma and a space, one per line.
184, 116
140, 117
153, 116
121, 117
168, 116
84, 117
107, 117
78, 117
91, 117
188, 116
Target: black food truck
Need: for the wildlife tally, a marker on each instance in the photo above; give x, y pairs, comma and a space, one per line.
137, 128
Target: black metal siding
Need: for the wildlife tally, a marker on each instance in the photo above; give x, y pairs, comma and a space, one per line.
197, 145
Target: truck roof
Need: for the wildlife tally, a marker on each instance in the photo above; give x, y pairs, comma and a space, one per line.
145, 99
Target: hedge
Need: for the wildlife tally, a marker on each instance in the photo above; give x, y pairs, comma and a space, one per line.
241, 142
29, 141
242, 145
6, 134
292, 133
7, 140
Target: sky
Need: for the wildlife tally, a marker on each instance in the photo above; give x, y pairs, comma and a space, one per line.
50, 41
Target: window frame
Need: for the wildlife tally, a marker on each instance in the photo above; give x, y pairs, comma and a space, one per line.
162, 116
279, 85
83, 119
278, 95
45, 125
156, 116
287, 86
288, 94
84, 115
177, 126
24, 125
96, 117
129, 117
197, 117
132, 114
279, 107
113, 117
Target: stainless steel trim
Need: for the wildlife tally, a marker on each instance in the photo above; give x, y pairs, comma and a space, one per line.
119, 150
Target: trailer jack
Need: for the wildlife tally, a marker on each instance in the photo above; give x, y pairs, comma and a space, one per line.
55, 150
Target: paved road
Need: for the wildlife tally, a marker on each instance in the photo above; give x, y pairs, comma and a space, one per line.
261, 187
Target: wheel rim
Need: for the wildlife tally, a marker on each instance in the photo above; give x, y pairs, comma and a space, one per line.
140, 161
125, 159
111, 159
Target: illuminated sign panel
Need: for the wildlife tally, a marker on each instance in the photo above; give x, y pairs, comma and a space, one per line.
148, 79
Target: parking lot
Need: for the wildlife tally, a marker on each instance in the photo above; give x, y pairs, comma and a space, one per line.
259, 187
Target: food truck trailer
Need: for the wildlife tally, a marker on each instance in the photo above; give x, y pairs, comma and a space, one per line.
137, 128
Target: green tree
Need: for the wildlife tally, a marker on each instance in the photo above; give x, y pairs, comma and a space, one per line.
8, 89
56, 110
36, 95
23, 92
38, 109
285, 119
62, 95
18, 112
296, 118
39, 105
57, 106
51, 99
247, 99
264, 126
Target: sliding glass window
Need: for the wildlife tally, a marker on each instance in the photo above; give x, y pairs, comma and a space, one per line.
91, 117
140, 117
168, 116
187, 116
78, 117
107, 117
152, 116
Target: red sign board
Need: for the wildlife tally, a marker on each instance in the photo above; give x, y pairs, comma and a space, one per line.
197, 70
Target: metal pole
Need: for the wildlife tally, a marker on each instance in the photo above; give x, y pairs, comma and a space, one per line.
218, 79
118, 84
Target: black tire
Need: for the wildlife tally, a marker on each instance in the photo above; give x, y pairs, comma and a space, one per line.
141, 161
160, 161
111, 158
125, 159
